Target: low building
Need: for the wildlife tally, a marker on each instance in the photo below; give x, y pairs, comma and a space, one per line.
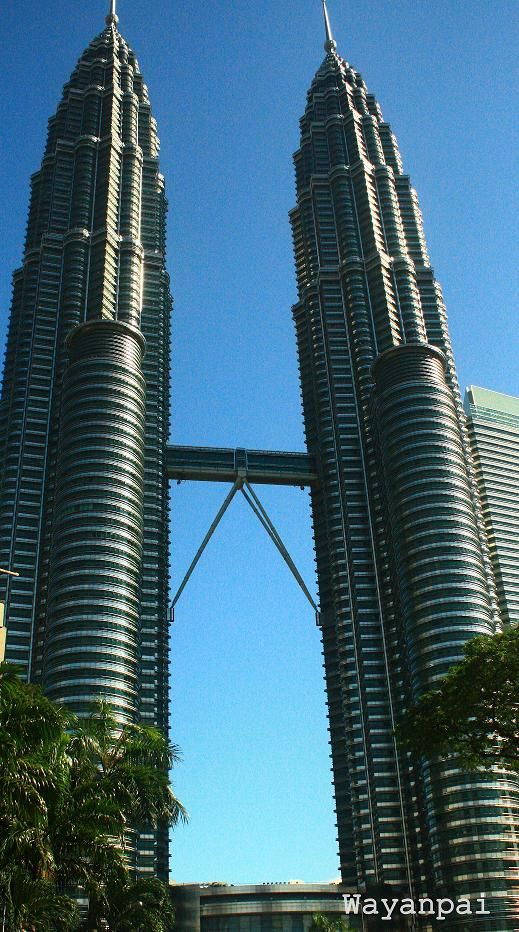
268, 907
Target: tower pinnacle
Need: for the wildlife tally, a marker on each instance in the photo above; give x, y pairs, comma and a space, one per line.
330, 45
112, 16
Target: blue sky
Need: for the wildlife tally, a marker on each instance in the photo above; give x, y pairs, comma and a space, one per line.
228, 81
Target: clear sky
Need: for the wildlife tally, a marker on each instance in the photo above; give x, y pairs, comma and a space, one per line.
227, 82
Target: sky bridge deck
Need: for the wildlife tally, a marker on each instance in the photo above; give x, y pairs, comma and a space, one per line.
225, 464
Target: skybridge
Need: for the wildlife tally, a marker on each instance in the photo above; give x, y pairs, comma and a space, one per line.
242, 469
224, 464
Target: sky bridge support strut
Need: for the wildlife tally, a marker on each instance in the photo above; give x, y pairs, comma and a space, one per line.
208, 460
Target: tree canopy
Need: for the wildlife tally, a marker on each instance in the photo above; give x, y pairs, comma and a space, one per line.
324, 923
72, 790
473, 714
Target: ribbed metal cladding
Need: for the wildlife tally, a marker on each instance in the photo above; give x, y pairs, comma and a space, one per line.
443, 591
96, 555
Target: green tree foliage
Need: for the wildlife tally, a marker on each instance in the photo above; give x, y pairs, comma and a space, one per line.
33, 903
133, 906
473, 714
70, 792
322, 923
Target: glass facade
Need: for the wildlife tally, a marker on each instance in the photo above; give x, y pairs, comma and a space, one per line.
270, 923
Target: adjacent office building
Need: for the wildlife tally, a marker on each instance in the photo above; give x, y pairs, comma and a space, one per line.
493, 421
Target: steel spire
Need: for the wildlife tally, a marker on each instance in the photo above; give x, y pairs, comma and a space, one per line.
330, 45
112, 16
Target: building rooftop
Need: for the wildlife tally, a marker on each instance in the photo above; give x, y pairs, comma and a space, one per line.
484, 398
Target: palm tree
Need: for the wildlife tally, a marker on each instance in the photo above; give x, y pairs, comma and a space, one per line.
322, 923
133, 906
33, 769
118, 782
33, 903
73, 791
127, 764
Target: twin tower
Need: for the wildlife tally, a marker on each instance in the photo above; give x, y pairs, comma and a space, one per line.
403, 568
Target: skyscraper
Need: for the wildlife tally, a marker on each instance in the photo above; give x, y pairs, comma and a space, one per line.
403, 565
404, 571
493, 422
84, 410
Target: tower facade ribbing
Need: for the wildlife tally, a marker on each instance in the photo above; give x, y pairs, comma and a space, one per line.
85, 408
402, 558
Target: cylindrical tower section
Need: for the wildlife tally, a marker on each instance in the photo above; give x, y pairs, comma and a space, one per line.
95, 574
443, 590
443, 598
